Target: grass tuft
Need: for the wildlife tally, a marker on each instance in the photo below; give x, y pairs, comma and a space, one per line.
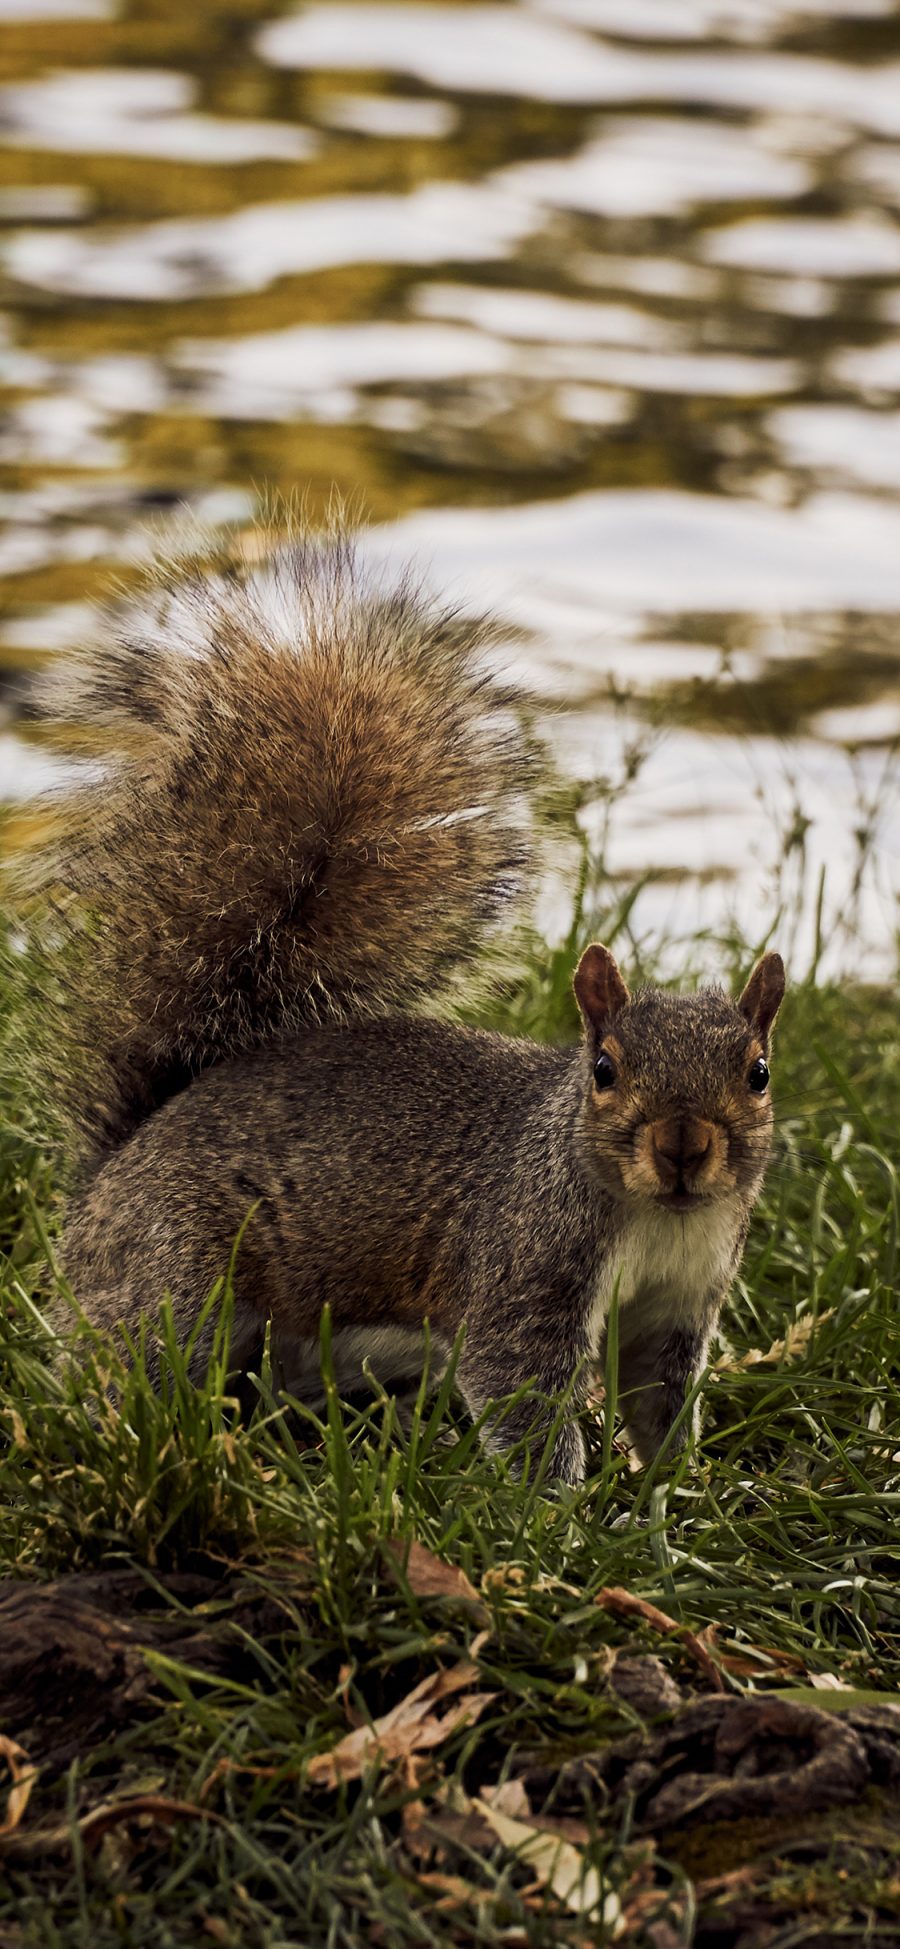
346, 1560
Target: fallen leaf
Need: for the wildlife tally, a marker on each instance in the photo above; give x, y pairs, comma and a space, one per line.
453, 1892
23, 1776
562, 1826
428, 1576
413, 1726
558, 1866
225, 1766
504, 1576
92, 1826
509, 1798
412, 1812
623, 1603
750, 1660
219, 1930
732, 1883
451, 1829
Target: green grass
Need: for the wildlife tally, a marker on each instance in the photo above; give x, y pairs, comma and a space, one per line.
780, 1530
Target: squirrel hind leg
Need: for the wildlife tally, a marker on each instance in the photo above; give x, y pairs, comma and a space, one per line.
364, 1359
112, 1309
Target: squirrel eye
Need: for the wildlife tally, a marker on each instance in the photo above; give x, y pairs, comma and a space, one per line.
604, 1072
758, 1078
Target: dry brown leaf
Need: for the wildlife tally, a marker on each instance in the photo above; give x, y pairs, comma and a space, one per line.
351, 1713
428, 1576
413, 1726
453, 1892
140, 1806
748, 1661
224, 1766
731, 1883
92, 1826
450, 1830
623, 1603
219, 1930
412, 1813
23, 1776
504, 1576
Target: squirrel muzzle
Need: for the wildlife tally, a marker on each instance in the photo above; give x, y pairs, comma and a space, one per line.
684, 1150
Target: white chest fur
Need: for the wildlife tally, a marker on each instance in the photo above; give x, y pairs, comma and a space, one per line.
668, 1265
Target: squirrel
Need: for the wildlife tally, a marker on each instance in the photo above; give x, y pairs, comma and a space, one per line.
311, 821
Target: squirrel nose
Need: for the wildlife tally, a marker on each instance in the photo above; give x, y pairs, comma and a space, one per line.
679, 1147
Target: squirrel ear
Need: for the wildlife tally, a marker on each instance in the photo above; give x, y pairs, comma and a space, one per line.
599, 989
761, 998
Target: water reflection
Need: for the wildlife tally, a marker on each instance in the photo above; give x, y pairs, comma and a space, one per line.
597, 304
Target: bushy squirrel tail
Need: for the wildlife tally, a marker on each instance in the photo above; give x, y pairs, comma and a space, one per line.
312, 812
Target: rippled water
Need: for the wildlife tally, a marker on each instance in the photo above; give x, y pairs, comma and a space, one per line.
596, 303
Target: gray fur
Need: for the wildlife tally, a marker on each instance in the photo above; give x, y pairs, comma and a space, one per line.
312, 831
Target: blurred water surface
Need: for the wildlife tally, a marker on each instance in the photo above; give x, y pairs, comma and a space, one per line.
596, 305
